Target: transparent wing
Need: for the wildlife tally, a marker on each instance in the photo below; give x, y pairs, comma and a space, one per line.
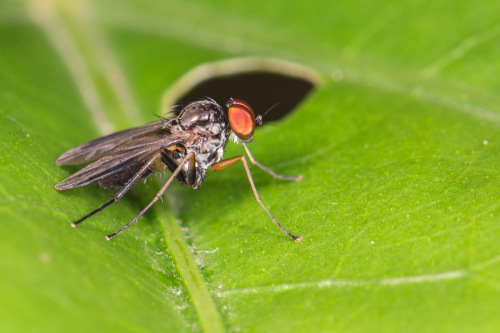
97, 148
129, 154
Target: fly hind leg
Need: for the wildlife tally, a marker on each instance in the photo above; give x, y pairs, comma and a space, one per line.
131, 182
189, 157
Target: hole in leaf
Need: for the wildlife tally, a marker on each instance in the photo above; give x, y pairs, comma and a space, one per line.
262, 83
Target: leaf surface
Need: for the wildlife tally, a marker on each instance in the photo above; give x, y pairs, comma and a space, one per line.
398, 149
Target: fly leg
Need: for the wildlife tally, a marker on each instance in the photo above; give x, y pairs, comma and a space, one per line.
269, 171
230, 161
189, 158
121, 192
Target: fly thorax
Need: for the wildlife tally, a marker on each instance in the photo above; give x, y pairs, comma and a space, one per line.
206, 123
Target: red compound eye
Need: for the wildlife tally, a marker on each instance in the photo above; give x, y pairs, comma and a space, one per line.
241, 118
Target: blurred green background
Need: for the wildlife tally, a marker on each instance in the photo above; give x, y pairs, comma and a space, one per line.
398, 148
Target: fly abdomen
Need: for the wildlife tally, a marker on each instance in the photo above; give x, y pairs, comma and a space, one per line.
158, 165
118, 180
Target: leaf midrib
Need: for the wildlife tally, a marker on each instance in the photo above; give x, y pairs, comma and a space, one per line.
208, 315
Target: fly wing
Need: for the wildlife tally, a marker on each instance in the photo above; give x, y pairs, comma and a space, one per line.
97, 148
131, 153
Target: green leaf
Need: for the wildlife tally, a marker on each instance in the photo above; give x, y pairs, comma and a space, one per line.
398, 148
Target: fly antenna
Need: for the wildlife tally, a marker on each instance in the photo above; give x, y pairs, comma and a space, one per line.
259, 118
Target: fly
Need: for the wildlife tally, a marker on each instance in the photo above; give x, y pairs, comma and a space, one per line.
187, 145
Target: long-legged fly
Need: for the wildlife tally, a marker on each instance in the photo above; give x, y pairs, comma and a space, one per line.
187, 145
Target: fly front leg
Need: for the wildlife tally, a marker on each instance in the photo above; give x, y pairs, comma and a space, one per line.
230, 161
269, 171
